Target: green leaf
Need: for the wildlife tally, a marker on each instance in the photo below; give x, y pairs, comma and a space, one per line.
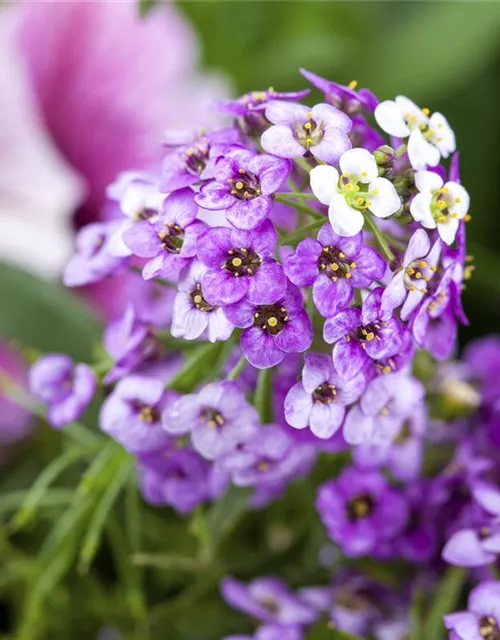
444, 601
50, 498
93, 536
145, 6
263, 400
225, 513
324, 630
42, 483
44, 315
197, 365
417, 615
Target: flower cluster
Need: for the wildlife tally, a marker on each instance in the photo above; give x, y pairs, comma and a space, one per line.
290, 274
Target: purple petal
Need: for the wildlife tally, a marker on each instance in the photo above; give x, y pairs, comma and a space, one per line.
326, 419
240, 314
418, 247
267, 284
281, 112
180, 207
297, 336
487, 495
341, 324
334, 143
318, 368
298, 405
371, 306
358, 428
261, 239
349, 358
302, 266
394, 294
464, 550
222, 288
370, 266
280, 141
142, 238
330, 296
214, 196
248, 214
272, 172
164, 265
214, 245
191, 234
260, 348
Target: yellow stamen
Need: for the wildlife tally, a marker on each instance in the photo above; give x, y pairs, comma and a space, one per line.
272, 321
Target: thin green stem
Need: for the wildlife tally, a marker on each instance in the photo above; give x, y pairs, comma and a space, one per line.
237, 369
303, 164
400, 150
302, 232
299, 206
288, 194
380, 237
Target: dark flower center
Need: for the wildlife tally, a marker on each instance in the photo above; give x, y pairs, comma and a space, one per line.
488, 628
172, 238
194, 160
245, 186
199, 301
309, 133
271, 318
269, 603
146, 213
242, 262
369, 332
484, 533
415, 278
146, 413
360, 507
404, 434
212, 418
334, 264
325, 393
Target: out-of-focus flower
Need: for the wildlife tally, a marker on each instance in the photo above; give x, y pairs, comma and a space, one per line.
15, 420
80, 97
482, 618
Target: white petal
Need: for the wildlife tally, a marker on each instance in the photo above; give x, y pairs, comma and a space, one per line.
422, 154
116, 245
444, 137
420, 209
448, 230
457, 192
412, 111
324, 183
187, 321
359, 164
384, 198
428, 181
390, 119
345, 220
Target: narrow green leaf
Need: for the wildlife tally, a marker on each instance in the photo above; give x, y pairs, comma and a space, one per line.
263, 396
92, 538
195, 367
51, 498
97, 473
44, 315
417, 615
444, 601
225, 513
166, 561
324, 630
42, 483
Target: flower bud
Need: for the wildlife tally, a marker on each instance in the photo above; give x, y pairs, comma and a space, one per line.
384, 155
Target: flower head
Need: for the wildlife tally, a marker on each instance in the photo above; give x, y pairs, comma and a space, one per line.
64, 387
321, 130
348, 99
356, 190
243, 184
482, 618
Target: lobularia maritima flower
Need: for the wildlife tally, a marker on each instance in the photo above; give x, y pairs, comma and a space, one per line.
293, 288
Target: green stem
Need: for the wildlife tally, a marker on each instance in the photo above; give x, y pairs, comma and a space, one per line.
301, 233
299, 206
303, 164
380, 237
400, 150
237, 369
288, 194
262, 397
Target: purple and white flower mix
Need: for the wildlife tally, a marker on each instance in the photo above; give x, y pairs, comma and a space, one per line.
312, 277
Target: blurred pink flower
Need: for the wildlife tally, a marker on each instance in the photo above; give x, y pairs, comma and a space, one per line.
86, 91
15, 421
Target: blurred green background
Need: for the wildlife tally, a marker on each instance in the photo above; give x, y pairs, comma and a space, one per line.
443, 55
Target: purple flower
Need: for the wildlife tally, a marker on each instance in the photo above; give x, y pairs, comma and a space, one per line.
269, 457
320, 400
241, 265
193, 316
194, 156
93, 260
334, 266
217, 417
347, 99
131, 414
267, 599
180, 478
321, 130
361, 335
130, 342
243, 185
403, 454
409, 285
360, 511
272, 330
16, 422
169, 242
272, 632
64, 387
383, 408
257, 101
482, 619
483, 355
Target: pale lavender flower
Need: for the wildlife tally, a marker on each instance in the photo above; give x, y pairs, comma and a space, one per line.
482, 618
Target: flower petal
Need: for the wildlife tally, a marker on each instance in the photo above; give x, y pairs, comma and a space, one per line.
260, 348
324, 183
248, 214
359, 164
345, 220
389, 117
384, 198
280, 141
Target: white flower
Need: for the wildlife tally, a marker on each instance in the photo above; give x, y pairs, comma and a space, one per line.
139, 198
429, 137
356, 190
439, 205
